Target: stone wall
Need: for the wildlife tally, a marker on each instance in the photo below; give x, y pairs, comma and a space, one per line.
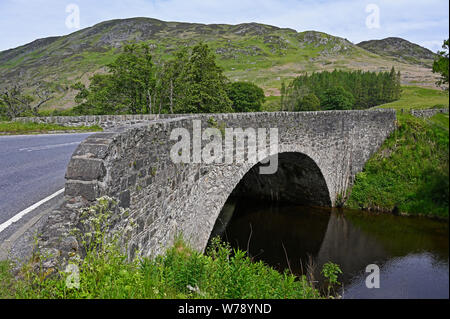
104, 121
164, 199
426, 113
111, 121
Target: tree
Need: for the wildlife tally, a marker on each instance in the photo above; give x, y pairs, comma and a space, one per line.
171, 84
3, 111
397, 86
389, 86
189, 83
367, 88
203, 84
337, 98
283, 95
82, 107
129, 87
245, 96
310, 102
440, 65
133, 77
14, 102
293, 94
100, 98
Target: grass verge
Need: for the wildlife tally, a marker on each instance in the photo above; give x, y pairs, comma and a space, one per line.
410, 172
181, 273
16, 128
414, 97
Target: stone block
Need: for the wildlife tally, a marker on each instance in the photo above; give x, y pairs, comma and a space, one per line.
87, 190
85, 169
125, 199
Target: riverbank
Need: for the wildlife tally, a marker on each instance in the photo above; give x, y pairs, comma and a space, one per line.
410, 172
101, 269
181, 273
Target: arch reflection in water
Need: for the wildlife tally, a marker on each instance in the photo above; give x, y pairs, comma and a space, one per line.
411, 252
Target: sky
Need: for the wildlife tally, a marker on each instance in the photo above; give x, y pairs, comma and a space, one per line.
423, 22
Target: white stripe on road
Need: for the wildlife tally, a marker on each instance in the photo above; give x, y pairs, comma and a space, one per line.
39, 148
26, 211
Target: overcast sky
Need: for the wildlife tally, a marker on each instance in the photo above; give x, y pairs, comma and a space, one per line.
422, 22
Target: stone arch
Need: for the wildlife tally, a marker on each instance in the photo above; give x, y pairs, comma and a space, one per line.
298, 180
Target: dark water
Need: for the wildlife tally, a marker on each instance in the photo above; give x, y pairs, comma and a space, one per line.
411, 252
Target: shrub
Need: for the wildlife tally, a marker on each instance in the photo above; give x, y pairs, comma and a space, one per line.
310, 102
246, 96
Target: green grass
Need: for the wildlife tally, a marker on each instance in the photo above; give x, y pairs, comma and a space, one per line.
272, 104
106, 272
181, 273
410, 172
414, 97
12, 128
55, 112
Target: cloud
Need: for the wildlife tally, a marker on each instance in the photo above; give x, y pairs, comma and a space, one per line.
433, 45
422, 22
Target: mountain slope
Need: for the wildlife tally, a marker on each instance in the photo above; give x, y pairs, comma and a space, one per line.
400, 49
253, 52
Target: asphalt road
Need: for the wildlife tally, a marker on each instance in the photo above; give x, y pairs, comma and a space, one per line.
32, 167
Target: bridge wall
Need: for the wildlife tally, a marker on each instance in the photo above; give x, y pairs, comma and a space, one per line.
104, 121
164, 199
428, 112
111, 121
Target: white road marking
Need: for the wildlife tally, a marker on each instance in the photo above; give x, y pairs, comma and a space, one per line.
46, 147
26, 211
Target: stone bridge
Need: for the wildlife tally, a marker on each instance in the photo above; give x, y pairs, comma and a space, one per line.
319, 154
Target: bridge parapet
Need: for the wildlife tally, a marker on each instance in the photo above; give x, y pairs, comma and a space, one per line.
104, 121
426, 113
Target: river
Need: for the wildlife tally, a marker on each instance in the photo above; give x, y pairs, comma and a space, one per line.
411, 252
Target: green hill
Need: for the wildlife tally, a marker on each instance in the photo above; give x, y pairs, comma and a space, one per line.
401, 50
253, 52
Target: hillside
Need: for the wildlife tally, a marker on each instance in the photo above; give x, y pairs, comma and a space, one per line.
401, 50
409, 173
250, 52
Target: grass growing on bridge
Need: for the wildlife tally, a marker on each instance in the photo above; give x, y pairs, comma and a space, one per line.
15, 128
410, 172
181, 273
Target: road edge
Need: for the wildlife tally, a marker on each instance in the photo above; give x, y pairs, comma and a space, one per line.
18, 246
